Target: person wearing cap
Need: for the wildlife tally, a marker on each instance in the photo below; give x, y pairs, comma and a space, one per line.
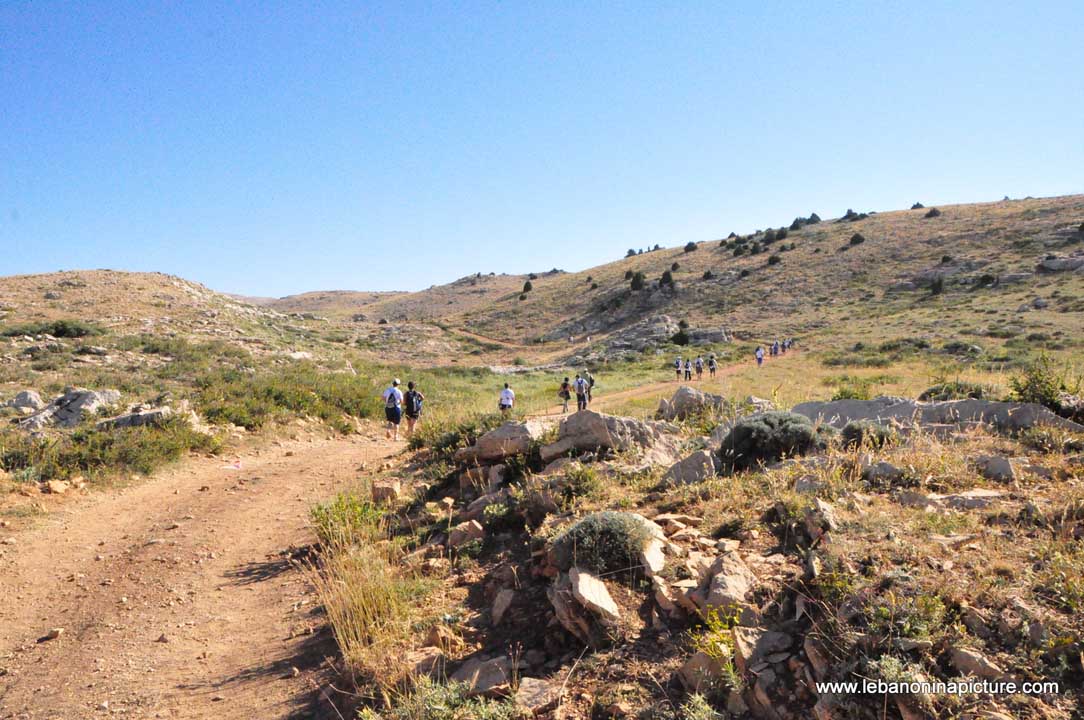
393, 409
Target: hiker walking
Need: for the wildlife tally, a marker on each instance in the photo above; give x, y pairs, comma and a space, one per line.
712, 366
677, 368
688, 369
412, 407
581, 387
759, 355
393, 409
565, 393
590, 384
699, 367
506, 401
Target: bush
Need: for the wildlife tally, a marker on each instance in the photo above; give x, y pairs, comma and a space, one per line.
956, 390
594, 286
781, 234
769, 236
527, 286
1040, 382
603, 542
630, 253
857, 239
522, 296
674, 267
933, 212
690, 246
768, 437
774, 260
433, 700
532, 276
667, 278
680, 338
739, 251
938, 285
917, 206
638, 281
56, 328
348, 519
867, 434
708, 275
744, 273
628, 274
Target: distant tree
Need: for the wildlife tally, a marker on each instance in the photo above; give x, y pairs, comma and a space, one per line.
769, 236
674, 267
732, 235
938, 285
690, 246
680, 338
744, 273
630, 253
781, 234
532, 276
814, 218
708, 275
594, 286
522, 297
628, 274
641, 252
638, 281
527, 287
657, 247
857, 239
667, 278
917, 206
683, 324
933, 212
774, 260
590, 279
739, 250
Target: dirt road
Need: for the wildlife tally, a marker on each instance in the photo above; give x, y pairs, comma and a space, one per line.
177, 596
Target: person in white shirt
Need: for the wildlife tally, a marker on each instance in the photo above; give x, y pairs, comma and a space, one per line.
393, 409
580, 386
507, 400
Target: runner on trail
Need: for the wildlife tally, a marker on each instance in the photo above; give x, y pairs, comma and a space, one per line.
590, 384
581, 387
688, 369
393, 409
507, 400
712, 365
565, 393
759, 355
412, 407
677, 368
699, 367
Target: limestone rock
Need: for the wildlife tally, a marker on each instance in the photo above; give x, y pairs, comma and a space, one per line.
465, 532
731, 581
688, 402
1007, 416
537, 696
26, 400
501, 603
387, 490
69, 409
592, 594
512, 438
696, 468
996, 468
485, 677
591, 431
972, 662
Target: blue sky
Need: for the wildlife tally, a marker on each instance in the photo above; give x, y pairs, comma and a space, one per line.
274, 148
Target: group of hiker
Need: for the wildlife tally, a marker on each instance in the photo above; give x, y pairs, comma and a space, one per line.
778, 347
399, 405
689, 365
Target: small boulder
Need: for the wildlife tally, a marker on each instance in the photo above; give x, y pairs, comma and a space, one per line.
592, 594
501, 603
485, 677
696, 468
386, 490
972, 662
996, 468
465, 532
536, 696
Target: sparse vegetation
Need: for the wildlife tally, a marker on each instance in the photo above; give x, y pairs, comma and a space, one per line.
604, 543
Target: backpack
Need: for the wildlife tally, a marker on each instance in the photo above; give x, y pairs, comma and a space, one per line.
413, 402
393, 399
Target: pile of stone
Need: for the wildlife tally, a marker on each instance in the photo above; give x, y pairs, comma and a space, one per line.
70, 408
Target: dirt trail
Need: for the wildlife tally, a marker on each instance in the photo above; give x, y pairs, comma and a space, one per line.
666, 388
177, 596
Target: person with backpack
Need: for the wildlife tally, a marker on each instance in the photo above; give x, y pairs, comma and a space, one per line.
393, 410
759, 355
590, 384
688, 369
412, 403
507, 400
565, 393
581, 388
712, 365
699, 368
677, 368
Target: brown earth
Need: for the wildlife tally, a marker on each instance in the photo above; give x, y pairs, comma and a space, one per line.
179, 597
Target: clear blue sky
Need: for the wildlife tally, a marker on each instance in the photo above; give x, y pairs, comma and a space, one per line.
273, 148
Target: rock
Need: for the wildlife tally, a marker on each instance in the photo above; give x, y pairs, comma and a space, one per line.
972, 662
996, 468
752, 645
688, 402
387, 490
69, 409
1056, 263
592, 594
820, 518
729, 585
56, 487
759, 405
587, 430
138, 418
652, 557
485, 677
512, 438
975, 499
818, 661
26, 400
882, 473
1007, 416
425, 661
808, 485
569, 613
465, 532
676, 520
537, 696
53, 634
501, 603
700, 672
696, 468
478, 507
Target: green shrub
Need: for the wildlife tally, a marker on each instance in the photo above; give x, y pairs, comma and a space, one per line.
92, 452
638, 281
1040, 382
56, 328
690, 246
579, 481
956, 390
857, 239
768, 437
527, 286
667, 278
867, 433
680, 338
708, 275
744, 273
674, 267
774, 260
349, 519
933, 212
852, 391
432, 700
603, 542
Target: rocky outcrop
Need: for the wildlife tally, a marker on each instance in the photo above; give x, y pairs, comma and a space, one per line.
137, 418
512, 438
69, 409
688, 402
1008, 416
696, 468
1059, 263
26, 401
591, 431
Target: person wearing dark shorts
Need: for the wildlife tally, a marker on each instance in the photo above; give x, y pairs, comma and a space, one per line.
412, 407
393, 409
